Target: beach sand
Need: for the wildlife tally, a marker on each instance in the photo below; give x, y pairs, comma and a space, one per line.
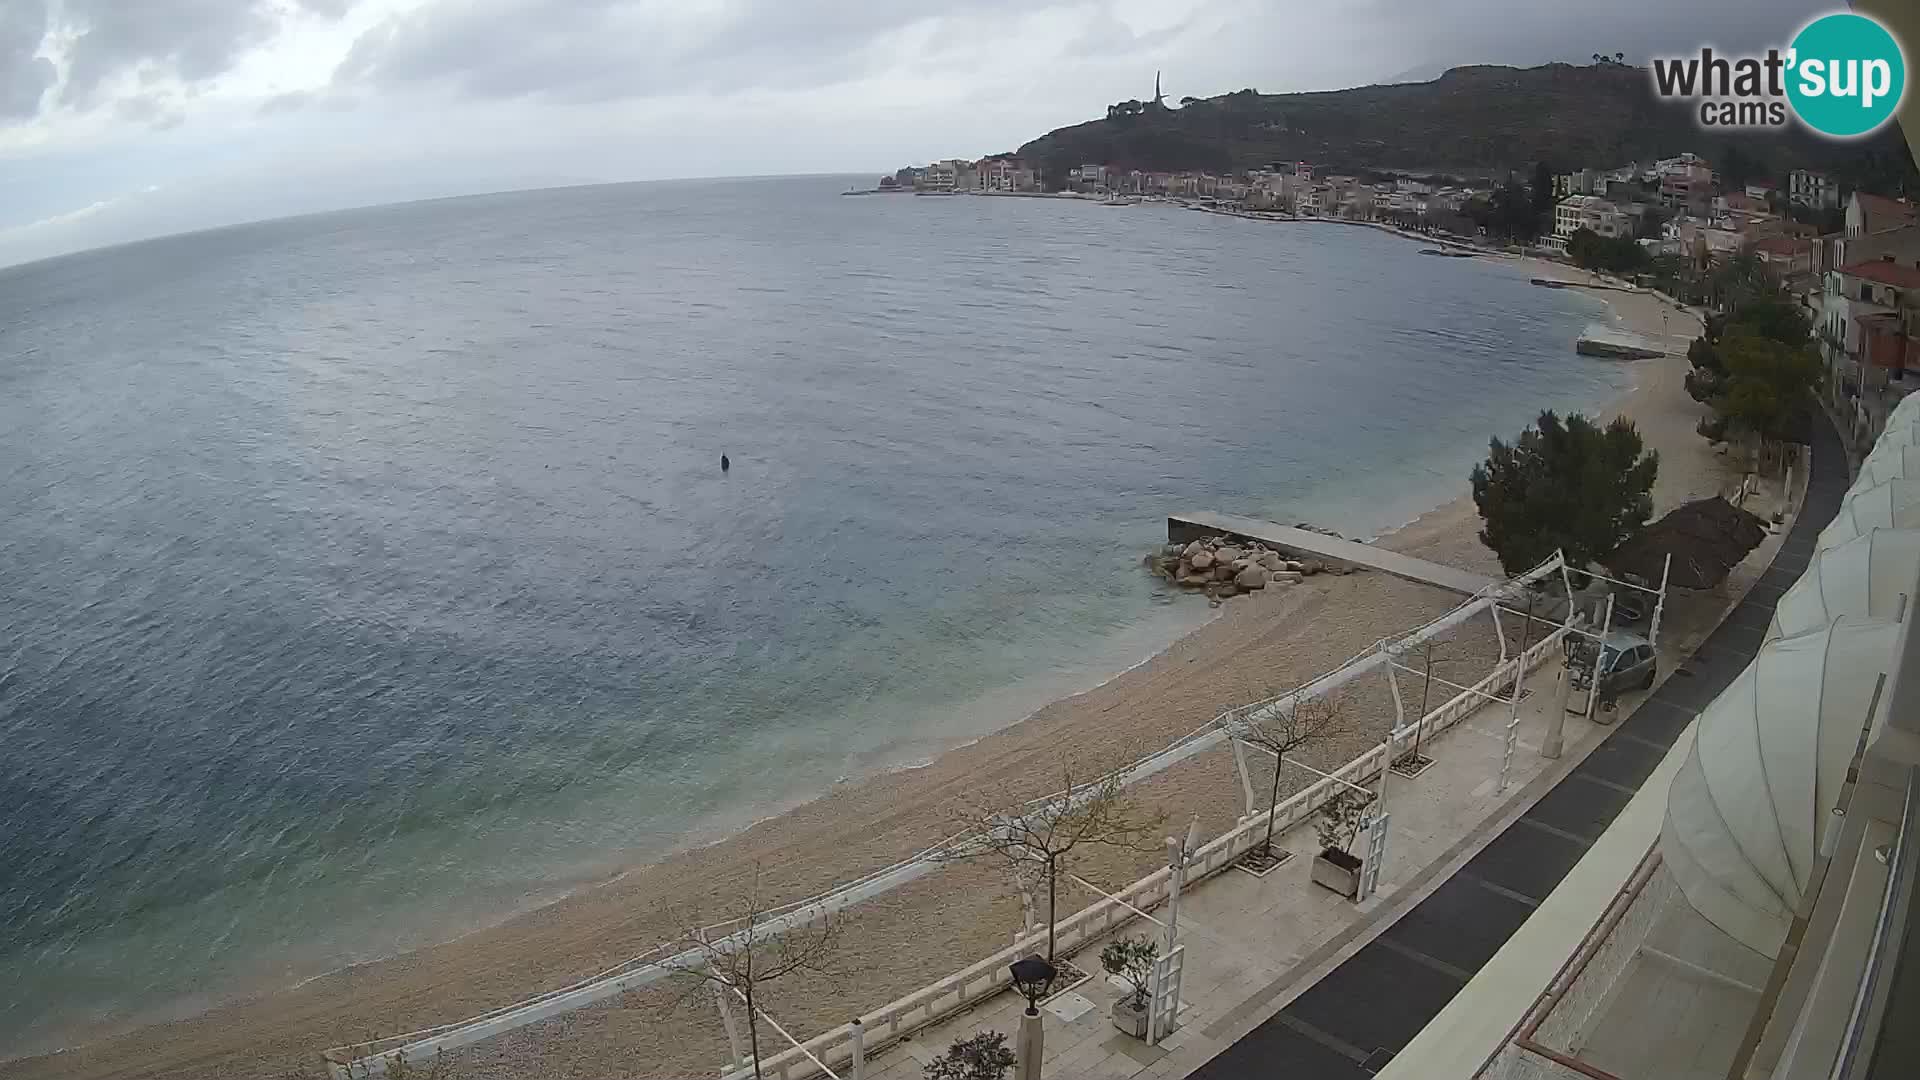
1260, 645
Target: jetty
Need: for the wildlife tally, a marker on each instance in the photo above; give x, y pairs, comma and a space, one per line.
1617, 344
1307, 544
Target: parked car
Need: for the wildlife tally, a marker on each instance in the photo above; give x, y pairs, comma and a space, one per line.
1626, 663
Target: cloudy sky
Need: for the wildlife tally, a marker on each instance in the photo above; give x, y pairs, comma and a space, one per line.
121, 119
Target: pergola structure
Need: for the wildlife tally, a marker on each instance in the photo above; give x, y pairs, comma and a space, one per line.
372, 1058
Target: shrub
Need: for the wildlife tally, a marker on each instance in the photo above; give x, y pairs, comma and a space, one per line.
977, 1057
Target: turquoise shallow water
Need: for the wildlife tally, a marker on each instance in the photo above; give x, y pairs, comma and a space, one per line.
371, 576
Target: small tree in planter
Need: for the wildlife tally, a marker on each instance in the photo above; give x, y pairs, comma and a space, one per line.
1341, 817
983, 1056
1280, 729
1131, 959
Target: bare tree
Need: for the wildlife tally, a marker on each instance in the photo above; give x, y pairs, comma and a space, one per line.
1090, 809
743, 953
1413, 757
1284, 727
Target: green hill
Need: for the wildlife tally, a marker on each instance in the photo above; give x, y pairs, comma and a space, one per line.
1472, 121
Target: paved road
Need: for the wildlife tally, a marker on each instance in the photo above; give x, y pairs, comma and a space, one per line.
1349, 1025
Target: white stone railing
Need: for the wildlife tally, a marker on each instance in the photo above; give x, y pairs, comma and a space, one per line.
982, 980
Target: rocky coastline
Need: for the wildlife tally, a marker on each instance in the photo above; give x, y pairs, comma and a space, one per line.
1223, 567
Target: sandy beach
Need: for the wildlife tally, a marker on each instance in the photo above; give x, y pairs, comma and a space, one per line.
1259, 645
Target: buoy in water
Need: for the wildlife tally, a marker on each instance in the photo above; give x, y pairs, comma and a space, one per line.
724, 463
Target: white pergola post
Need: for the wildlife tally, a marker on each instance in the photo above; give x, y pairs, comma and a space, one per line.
1512, 734
1556, 741
1399, 714
1499, 631
733, 1030
1660, 603
859, 1039
1599, 654
1179, 853
1246, 779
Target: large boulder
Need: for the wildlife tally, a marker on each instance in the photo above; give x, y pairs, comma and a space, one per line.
1201, 560
1193, 549
1223, 572
1252, 577
1227, 554
1272, 560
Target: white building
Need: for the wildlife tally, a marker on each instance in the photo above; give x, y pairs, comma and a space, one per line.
1808, 188
1576, 212
939, 176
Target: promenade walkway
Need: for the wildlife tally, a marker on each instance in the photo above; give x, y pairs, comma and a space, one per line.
1307, 544
1349, 1024
1284, 978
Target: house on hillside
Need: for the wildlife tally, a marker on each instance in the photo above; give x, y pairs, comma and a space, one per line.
1869, 214
1789, 258
1866, 310
1817, 190
1576, 212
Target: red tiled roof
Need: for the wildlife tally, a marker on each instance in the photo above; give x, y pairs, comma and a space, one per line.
1779, 245
1880, 207
1886, 273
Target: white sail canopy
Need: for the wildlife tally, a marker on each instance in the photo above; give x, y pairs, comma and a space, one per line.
1866, 575
1905, 414
1747, 811
1891, 458
1893, 504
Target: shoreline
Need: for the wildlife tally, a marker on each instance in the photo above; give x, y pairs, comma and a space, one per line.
809, 843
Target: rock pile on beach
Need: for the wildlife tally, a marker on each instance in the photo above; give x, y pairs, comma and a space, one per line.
1223, 568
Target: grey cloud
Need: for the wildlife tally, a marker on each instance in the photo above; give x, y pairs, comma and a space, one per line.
592, 50
24, 77
291, 101
192, 40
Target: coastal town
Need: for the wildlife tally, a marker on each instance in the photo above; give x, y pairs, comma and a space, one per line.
1852, 257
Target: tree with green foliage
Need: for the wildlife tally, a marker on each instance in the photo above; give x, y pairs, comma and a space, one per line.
1773, 317
1567, 485
1614, 254
1763, 389
1507, 213
1543, 192
1740, 281
1132, 959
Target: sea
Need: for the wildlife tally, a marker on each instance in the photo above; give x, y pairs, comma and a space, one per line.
366, 578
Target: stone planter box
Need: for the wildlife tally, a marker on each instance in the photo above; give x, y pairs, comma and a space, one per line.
1339, 871
1130, 1018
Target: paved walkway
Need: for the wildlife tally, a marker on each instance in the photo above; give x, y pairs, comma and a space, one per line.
1252, 940
1332, 549
1350, 1023
1285, 978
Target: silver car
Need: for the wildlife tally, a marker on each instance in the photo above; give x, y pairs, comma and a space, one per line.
1627, 663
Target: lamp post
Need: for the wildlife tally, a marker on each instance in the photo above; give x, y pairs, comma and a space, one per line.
1033, 977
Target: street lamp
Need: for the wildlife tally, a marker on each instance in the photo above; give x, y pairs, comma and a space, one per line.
1033, 977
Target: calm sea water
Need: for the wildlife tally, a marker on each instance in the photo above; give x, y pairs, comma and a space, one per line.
369, 576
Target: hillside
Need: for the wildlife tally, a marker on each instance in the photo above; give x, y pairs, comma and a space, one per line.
1470, 121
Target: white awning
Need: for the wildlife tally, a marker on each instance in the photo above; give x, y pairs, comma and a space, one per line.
1891, 458
1866, 575
1894, 504
1905, 414
1747, 812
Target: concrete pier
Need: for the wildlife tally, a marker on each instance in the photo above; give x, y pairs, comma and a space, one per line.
1301, 543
